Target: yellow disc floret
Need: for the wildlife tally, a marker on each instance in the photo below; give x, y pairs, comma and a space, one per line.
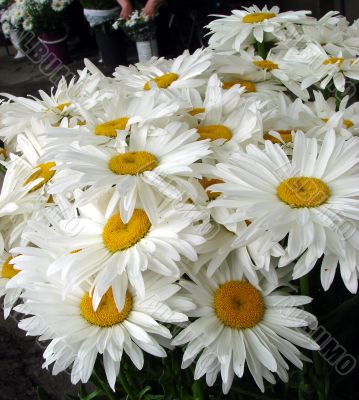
334, 60
118, 236
62, 106
303, 191
239, 305
163, 81
110, 128
8, 271
3, 152
196, 110
265, 64
44, 171
348, 123
248, 85
286, 136
132, 163
205, 183
254, 18
107, 313
214, 132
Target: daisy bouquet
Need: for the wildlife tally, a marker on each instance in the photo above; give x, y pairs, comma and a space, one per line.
4, 4
13, 17
46, 16
138, 27
203, 210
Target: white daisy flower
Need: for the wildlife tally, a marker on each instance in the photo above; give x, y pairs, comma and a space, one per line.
237, 325
311, 198
99, 244
7, 272
185, 71
106, 330
276, 66
317, 66
117, 113
333, 38
57, 5
345, 121
62, 103
18, 193
160, 162
6, 27
250, 260
250, 24
224, 118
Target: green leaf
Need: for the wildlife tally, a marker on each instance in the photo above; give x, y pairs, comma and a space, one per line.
91, 395
143, 392
41, 395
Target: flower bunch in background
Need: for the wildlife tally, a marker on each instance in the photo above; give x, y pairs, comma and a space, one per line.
138, 27
46, 16
4, 4
14, 17
187, 202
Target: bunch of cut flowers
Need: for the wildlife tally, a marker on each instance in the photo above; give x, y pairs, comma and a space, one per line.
138, 27
193, 218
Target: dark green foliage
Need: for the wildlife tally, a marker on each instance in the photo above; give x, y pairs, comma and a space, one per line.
99, 4
44, 19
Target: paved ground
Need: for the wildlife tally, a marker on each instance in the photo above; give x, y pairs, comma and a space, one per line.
20, 367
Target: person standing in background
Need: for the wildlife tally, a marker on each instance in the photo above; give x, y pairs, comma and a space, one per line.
160, 10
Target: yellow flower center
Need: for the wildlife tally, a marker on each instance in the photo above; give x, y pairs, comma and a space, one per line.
254, 18
265, 64
286, 136
8, 271
239, 305
249, 86
196, 110
75, 251
214, 132
132, 163
334, 60
348, 123
118, 236
50, 199
303, 191
110, 128
43, 171
3, 152
107, 313
62, 106
163, 81
205, 182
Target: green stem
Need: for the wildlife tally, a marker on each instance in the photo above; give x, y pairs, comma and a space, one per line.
102, 385
338, 97
319, 372
304, 286
261, 48
250, 394
126, 386
197, 390
305, 291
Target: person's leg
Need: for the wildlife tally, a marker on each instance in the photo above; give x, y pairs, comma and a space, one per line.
112, 44
165, 40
